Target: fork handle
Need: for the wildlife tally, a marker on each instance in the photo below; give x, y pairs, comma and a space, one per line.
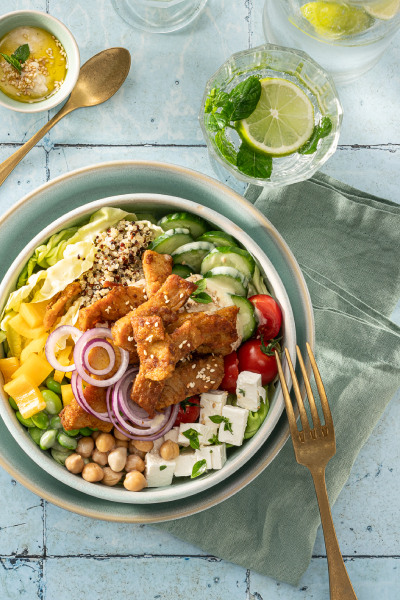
339, 581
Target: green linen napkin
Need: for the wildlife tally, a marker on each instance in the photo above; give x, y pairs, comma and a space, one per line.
347, 245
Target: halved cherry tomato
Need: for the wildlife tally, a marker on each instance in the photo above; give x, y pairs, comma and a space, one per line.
231, 373
253, 359
269, 316
189, 411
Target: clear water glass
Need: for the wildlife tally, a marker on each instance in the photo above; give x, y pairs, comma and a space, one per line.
293, 65
158, 16
346, 50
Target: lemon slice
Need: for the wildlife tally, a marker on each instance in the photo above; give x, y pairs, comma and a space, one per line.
282, 121
336, 19
384, 9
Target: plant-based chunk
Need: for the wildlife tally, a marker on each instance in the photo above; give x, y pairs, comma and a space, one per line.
156, 268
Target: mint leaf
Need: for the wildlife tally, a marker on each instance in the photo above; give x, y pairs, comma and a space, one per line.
193, 436
199, 295
212, 124
218, 419
21, 53
203, 298
320, 131
200, 286
226, 147
253, 164
163, 467
243, 99
12, 61
199, 468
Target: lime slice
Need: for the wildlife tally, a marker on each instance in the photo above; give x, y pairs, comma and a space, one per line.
282, 121
384, 9
336, 19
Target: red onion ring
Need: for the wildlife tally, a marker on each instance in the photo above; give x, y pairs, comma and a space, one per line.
132, 411
98, 343
51, 342
79, 347
76, 383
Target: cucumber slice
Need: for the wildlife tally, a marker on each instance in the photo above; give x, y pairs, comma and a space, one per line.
218, 238
171, 240
192, 254
246, 318
225, 256
196, 225
230, 280
182, 270
146, 217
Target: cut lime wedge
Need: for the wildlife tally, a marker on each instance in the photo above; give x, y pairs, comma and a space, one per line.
336, 19
282, 121
383, 10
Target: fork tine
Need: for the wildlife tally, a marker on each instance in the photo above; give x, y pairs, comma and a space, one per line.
311, 400
303, 414
288, 402
321, 390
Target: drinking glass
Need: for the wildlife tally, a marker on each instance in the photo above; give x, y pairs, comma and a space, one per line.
347, 38
273, 61
158, 16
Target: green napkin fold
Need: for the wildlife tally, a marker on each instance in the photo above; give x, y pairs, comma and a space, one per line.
347, 243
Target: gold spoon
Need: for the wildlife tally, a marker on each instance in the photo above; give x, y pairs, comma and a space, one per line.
99, 78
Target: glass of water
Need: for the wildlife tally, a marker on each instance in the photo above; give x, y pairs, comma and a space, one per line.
158, 16
347, 38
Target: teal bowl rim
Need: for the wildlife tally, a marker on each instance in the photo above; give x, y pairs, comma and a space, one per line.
73, 57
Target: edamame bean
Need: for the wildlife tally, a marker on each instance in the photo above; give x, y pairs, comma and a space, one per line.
86, 431
55, 422
41, 420
58, 448
36, 434
66, 441
53, 402
13, 404
53, 385
26, 422
60, 457
48, 438
71, 432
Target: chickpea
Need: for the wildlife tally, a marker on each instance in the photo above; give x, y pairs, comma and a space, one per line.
120, 436
134, 463
92, 472
101, 458
95, 435
133, 450
143, 446
85, 447
117, 459
105, 442
135, 481
74, 464
169, 450
121, 444
110, 477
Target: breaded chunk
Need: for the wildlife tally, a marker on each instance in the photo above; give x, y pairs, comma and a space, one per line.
156, 267
74, 417
155, 348
186, 339
146, 392
199, 375
119, 301
170, 297
58, 304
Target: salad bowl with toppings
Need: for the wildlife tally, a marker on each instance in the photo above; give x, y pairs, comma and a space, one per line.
138, 348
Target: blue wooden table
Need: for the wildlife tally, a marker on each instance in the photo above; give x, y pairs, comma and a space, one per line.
50, 554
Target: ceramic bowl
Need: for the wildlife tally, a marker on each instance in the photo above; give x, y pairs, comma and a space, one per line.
158, 205
45, 21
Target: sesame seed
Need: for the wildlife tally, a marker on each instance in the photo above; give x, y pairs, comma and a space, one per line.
144, 352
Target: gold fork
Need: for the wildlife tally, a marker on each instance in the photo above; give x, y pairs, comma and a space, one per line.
313, 448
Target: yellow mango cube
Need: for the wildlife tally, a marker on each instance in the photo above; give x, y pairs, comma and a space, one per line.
8, 366
21, 326
34, 346
35, 368
26, 394
67, 394
33, 313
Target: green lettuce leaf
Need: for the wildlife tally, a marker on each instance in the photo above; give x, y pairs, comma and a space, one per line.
258, 283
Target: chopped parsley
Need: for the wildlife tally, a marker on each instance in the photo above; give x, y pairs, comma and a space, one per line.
193, 436
199, 468
163, 467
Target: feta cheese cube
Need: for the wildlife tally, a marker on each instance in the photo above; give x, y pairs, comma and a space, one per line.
203, 431
247, 390
158, 472
238, 419
157, 445
218, 456
211, 404
172, 435
205, 452
185, 463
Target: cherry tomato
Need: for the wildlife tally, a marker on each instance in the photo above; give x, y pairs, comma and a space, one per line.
253, 359
231, 373
269, 316
187, 412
